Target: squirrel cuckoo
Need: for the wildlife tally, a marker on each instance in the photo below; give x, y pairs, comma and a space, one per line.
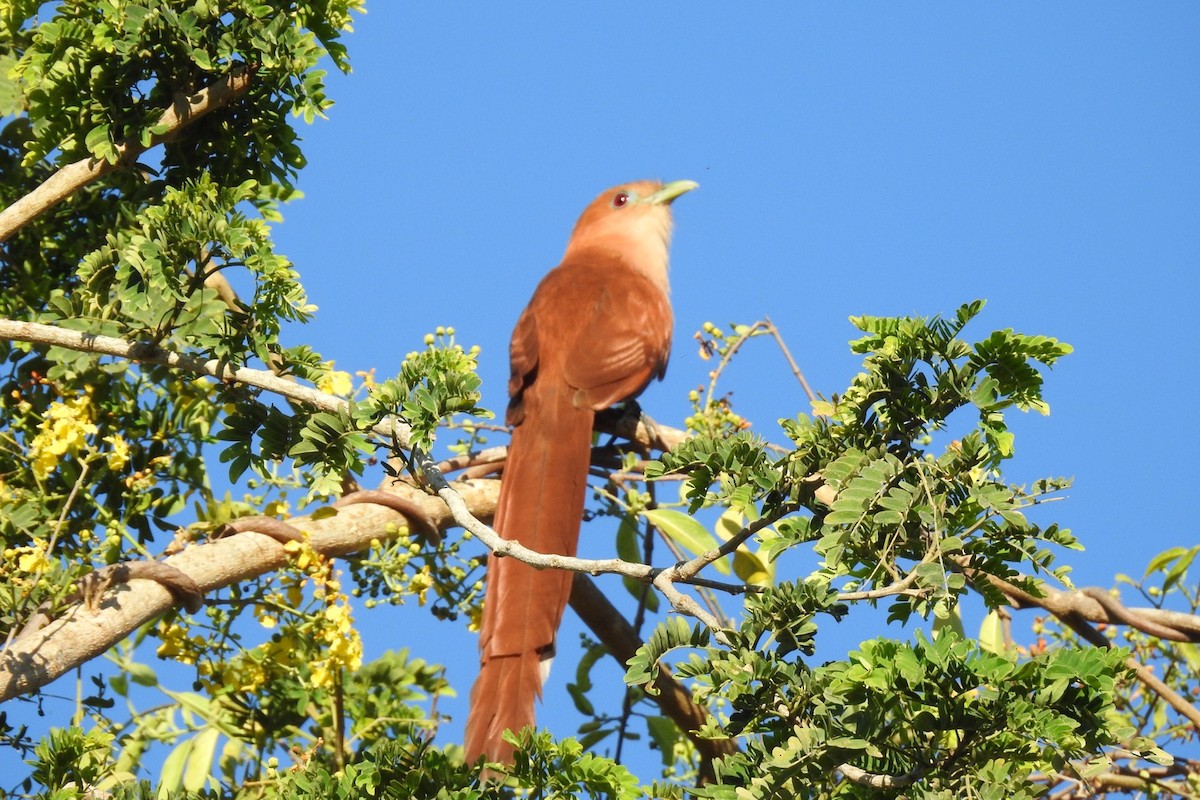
597, 330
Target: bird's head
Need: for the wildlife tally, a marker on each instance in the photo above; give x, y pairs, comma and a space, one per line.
633, 222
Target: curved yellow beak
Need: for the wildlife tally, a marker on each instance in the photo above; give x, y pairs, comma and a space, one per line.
670, 191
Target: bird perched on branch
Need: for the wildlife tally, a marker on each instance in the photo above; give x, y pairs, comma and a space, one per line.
597, 330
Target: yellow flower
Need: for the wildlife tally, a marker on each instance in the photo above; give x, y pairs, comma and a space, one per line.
276, 508
306, 557
334, 381
33, 559
295, 595
475, 618
421, 583
321, 677
343, 642
243, 675
173, 641
118, 457
63, 432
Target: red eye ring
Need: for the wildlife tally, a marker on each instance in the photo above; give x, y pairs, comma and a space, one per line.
620, 199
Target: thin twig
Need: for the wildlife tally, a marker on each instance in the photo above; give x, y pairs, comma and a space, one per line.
690, 568
787, 354
38, 333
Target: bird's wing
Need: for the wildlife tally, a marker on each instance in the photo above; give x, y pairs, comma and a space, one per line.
624, 341
522, 364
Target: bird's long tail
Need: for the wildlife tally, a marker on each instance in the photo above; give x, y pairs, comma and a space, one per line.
541, 503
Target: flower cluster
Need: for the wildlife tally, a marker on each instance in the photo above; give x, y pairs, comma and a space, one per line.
343, 642
176, 643
334, 381
335, 626
24, 567
63, 433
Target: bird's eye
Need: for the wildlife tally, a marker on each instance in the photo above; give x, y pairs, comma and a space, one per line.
620, 199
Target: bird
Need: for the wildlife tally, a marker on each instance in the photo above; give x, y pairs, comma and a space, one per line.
596, 332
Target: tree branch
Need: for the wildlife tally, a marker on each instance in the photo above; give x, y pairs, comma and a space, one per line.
1077, 610
878, 781
185, 110
615, 633
39, 333
88, 629
1186, 626
35, 332
1097, 605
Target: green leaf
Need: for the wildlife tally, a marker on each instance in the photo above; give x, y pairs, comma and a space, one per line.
142, 674
1164, 558
991, 634
12, 97
687, 532
99, 143
843, 517
170, 777
674, 632
752, 568
664, 733
628, 536
949, 619
198, 768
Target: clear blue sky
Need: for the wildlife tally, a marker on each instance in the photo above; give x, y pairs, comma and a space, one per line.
862, 158
853, 159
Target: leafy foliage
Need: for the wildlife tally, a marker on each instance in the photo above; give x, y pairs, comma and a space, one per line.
894, 501
958, 720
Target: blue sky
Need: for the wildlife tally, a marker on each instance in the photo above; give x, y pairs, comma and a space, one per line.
853, 159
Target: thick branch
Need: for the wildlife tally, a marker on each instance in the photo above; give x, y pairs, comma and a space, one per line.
1097, 605
107, 345
185, 110
88, 629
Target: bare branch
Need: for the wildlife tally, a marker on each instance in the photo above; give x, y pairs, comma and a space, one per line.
1128, 616
774, 331
1097, 605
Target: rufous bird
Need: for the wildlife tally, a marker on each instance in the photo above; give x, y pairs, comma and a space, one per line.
597, 330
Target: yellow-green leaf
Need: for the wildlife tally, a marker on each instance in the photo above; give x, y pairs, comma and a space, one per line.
752, 569
991, 634
198, 768
170, 777
687, 532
